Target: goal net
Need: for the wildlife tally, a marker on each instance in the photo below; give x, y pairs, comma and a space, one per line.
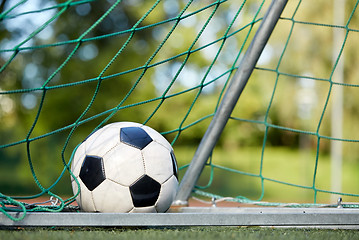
69, 68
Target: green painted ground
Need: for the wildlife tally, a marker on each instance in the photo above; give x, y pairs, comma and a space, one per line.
206, 233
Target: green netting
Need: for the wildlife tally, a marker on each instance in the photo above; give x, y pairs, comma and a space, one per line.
68, 68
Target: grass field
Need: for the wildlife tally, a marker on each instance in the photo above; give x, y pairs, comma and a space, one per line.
282, 164
207, 233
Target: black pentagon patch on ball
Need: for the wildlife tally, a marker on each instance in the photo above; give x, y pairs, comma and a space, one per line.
145, 191
135, 136
174, 165
92, 172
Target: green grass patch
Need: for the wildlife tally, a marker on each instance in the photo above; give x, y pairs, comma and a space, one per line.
207, 233
290, 175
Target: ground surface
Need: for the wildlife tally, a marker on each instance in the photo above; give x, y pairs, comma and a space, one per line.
207, 233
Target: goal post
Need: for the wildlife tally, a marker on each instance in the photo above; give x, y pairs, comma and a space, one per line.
229, 101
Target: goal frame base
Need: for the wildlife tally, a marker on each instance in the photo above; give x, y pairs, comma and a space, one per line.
196, 216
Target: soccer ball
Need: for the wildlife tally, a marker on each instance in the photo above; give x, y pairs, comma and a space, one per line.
125, 167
